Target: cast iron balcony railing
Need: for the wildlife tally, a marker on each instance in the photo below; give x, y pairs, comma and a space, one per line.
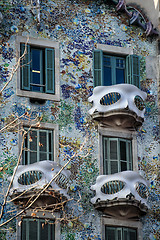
122, 194
118, 105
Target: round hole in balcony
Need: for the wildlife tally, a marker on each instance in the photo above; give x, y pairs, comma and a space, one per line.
110, 98
139, 103
142, 190
112, 187
30, 177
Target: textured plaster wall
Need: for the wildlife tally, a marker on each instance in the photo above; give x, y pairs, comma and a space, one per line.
78, 26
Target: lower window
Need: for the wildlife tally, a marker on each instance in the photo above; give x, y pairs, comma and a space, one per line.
38, 146
37, 229
117, 155
120, 233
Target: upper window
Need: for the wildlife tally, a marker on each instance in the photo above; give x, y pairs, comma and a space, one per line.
37, 229
120, 233
117, 155
38, 75
112, 69
37, 71
38, 146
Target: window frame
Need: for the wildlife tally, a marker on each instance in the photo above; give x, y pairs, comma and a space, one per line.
116, 133
107, 161
43, 126
121, 223
39, 215
121, 229
40, 43
130, 72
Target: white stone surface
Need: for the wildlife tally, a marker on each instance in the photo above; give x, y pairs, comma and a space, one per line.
130, 178
48, 168
127, 92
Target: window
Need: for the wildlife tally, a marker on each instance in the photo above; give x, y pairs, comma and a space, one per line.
38, 76
120, 233
37, 229
115, 69
38, 146
37, 71
117, 155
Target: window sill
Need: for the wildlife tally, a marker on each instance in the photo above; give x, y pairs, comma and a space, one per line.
37, 95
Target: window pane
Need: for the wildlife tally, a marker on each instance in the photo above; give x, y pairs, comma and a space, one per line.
110, 234
33, 157
43, 141
107, 71
113, 149
43, 230
123, 166
33, 230
114, 167
120, 77
123, 150
33, 140
43, 156
52, 231
23, 230
132, 234
50, 142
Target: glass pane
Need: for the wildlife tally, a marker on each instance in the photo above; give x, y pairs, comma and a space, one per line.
132, 235
33, 157
105, 148
33, 230
36, 68
107, 76
23, 230
43, 141
52, 231
125, 235
43, 230
43, 156
123, 150
120, 76
33, 140
123, 166
110, 234
113, 149
50, 142
120, 234
114, 167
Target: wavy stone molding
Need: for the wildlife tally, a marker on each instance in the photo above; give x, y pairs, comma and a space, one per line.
122, 194
31, 178
118, 105
136, 17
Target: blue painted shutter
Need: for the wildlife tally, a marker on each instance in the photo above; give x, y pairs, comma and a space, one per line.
98, 67
133, 70
49, 70
25, 69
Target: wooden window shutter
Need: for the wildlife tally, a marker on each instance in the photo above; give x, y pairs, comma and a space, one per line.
25, 67
97, 67
133, 70
49, 70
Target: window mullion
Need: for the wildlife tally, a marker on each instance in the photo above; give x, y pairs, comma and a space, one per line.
47, 147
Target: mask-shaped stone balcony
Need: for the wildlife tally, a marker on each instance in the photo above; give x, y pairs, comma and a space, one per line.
120, 105
30, 179
121, 195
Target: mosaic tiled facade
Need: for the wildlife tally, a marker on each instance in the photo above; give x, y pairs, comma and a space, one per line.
78, 26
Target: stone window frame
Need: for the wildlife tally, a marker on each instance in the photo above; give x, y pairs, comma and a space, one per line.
121, 223
47, 126
117, 133
29, 214
44, 43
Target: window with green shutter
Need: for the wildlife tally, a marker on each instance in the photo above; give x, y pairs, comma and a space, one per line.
37, 70
120, 233
110, 70
117, 155
38, 146
37, 229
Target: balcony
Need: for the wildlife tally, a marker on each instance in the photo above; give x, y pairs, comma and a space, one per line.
30, 179
120, 105
121, 195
